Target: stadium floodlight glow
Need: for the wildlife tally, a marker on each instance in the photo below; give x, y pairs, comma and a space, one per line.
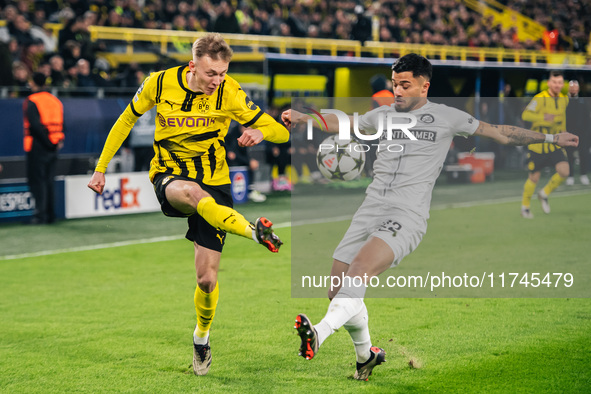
393, 120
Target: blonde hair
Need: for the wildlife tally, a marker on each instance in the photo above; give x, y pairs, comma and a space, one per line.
214, 46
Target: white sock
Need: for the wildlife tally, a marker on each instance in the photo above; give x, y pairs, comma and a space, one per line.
358, 329
198, 340
324, 330
346, 304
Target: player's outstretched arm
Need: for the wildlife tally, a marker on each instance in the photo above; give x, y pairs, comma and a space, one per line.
513, 135
142, 102
294, 117
97, 182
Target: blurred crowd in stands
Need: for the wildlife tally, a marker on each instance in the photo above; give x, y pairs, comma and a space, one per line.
69, 61
567, 22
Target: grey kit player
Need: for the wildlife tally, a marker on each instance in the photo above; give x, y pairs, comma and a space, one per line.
398, 199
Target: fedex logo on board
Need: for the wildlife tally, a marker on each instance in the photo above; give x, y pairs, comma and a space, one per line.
120, 198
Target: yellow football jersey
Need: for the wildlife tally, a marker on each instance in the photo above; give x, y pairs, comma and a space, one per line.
543, 104
191, 126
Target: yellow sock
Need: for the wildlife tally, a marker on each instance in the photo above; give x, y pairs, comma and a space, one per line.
553, 183
528, 190
205, 304
224, 218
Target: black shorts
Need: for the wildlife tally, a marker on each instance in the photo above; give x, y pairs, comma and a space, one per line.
538, 161
200, 232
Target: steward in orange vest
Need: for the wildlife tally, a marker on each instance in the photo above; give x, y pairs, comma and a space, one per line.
46, 112
43, 136
381, 95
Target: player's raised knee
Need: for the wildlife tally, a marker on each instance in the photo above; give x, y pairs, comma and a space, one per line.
186, 193
563, 172
194, 192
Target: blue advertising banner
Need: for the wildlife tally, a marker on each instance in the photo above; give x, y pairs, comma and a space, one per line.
17, 203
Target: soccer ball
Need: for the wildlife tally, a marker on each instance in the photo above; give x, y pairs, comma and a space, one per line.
340, 159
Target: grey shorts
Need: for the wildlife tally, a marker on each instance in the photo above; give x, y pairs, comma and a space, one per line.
401, 230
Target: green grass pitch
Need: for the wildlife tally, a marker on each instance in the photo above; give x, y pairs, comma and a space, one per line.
120, 319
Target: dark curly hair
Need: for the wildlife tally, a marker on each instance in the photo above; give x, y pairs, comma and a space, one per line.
418, 64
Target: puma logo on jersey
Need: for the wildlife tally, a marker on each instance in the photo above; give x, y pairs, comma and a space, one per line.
166, 180
229, 217
169, 103
221, 238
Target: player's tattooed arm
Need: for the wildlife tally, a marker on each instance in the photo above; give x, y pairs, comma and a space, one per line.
519, 136
513, 135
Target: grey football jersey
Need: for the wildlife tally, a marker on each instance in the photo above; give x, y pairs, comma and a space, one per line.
405, 170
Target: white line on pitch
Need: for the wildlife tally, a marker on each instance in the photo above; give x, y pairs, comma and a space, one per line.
278, 225
90, 247
503, 200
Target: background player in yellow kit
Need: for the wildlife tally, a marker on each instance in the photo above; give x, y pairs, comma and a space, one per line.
196, 103
547, 112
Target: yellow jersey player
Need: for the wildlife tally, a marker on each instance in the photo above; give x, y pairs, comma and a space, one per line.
547, 112
196, 103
